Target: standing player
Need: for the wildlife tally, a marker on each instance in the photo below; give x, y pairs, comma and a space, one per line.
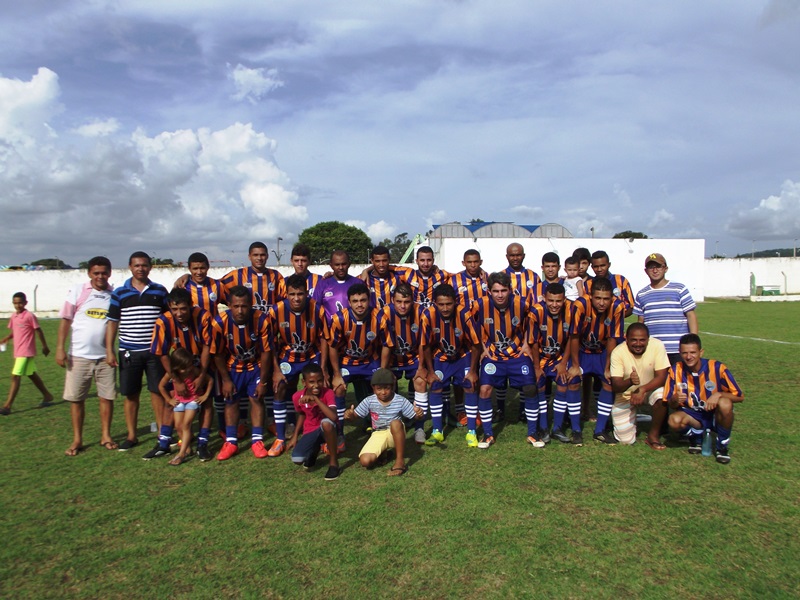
555, 358
425, 278
621, 289
380, 279
402, 319
298, 329
551, 265
503, 326
206, 292
598, 326
301, 258
240, 345
332, 293
702, 392
450, 348
355, 337
470, 284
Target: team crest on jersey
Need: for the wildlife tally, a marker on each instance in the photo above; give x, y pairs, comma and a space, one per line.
616, 292
543, 328
529, 284
284, 323
565, 326
415, 328
271, 287
230, 336
253, 337
484, 287
212, 296
286, 368
370, 335
458, 332
436, 330
710, 386
490, 368
439, 374
525, 369
490, 321
515, 321
607, 322
345, 372
248, 285
310, 324
328, 294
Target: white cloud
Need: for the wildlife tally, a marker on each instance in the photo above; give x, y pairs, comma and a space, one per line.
775, 217
435, 217
621, 196
661, 218
523, 211
253, 84
377, 232
98, 128
26, 107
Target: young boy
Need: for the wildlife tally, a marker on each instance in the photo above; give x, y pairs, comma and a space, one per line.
315, 406
386, 409
573, 284
23, 324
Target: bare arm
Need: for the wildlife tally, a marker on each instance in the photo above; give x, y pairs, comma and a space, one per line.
61, 345
691, 318
111, 337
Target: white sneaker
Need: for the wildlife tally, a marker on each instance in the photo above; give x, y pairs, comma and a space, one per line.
419, 436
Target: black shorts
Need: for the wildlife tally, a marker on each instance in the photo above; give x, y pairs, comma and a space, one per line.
132, 365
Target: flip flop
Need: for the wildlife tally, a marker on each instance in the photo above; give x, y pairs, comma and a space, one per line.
74, 451
109, 445
655, 445
397, 471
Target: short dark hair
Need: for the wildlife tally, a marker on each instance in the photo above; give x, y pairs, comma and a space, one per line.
99, 261
582, 254
601, 284
311, 368
598, 254
471, 252
691, 338
340, 253
379, 251
571, 260
197, 257
555, 289
140, 254
403, 289
550, 257
179, 296
424, 250
301, 250
636, 326
500, 277
20, 295
297, 282
255, 245
357, 288
446, 290
239, 291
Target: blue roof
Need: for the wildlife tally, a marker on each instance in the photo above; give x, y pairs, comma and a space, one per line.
473, 227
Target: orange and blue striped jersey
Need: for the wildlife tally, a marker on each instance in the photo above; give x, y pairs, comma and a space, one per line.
168, 334
526, 283
712, 377
621, 290
450, 338
421, 285
206, 295
268, 288
312, 281
402, 334
381, 289
244, 344
502, 331
357, 342
592, 329
296, 337
468, 289
550, 333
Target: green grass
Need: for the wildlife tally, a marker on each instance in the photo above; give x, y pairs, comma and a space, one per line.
513, 521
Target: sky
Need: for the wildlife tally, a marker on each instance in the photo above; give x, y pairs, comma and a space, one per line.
177, 126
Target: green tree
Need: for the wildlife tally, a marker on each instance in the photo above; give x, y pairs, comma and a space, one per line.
397, 246
637, 235
51, 263
323, 238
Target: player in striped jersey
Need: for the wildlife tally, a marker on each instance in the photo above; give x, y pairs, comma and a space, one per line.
355, 337
265, 284
380, 280
134, 308
241, 347
189, 327
551, 265
598, 326
298, 328
470, 284
620, 287
555, 358
503, 326
450, 350
206, 292
402, 319
702, 392
425, 278
301, 258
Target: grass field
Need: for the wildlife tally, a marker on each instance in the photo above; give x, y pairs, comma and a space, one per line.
513, 521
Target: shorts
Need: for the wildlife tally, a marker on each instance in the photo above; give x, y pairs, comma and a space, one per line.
184, 406
518, 371
352, 373
409, 370
704, 417
134, 364
245, 384
81, 372
292, 370
549, 372
379, 442
455, 371
24, 366
594, 364
309, 444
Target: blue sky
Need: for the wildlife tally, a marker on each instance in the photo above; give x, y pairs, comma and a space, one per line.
179, 126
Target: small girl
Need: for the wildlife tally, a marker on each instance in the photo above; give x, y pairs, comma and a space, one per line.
573, 284
183, 398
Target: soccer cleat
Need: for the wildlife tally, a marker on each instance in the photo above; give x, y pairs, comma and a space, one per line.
277, 448
723, 456
203, 453
341, 446
695, 449
228, 450
605, 437
437, 437
695, 444
535, 442
462, 419
157, 452
577, 438
258, 450
472, 439
544, 436
419, 436
127, 445
332, 473
560, 436
486, 442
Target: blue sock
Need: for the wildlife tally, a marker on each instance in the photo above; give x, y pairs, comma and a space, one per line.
604, 402
542, 411
202, 437
559, 408
574, 408
258, 434
436, 406
723, 436
230, 434
532, 413
165, 436
279, 408
485, 410
471, 406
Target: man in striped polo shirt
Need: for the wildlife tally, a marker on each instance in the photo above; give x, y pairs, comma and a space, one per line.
132, 314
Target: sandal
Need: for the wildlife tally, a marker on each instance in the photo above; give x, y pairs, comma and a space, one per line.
397, 471
74, 451
657, 445
110, 445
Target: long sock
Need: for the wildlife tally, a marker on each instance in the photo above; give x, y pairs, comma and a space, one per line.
421, 400
279, 408
485, 410
230, 434
202, 437
436, 410
574, 408
542, 397
559, 409
604, 403
165, 436
500, 396
532, 413
340, 408
219, 408
471, 406
723, 436
696, 436
258, 434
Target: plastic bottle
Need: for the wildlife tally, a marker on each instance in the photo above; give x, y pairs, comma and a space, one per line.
707, 443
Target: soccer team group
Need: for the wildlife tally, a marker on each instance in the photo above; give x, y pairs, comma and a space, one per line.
461, 340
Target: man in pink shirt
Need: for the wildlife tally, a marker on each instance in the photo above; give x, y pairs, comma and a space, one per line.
24, 327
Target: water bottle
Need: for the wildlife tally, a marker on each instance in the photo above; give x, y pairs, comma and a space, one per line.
707, 443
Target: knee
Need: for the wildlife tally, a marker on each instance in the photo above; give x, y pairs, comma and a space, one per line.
396, 426
340, 391
486, 391
327, 425
367, 460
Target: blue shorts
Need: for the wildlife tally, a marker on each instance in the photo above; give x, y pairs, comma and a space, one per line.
452, 373
184, 406
245, 384
705, 417
549, 372
594, 364
518, 371
292, 370
408, 370
352, 373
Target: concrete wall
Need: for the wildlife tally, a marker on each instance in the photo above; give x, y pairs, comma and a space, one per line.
731, 276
